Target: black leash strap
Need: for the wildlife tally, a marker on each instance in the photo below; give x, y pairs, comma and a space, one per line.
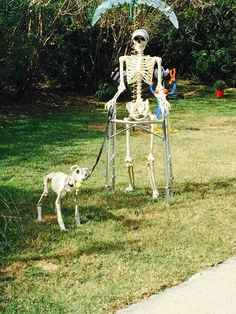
110, 115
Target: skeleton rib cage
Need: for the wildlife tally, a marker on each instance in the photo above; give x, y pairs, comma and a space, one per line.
139, 68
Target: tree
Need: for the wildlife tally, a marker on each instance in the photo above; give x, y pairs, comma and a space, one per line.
53, 41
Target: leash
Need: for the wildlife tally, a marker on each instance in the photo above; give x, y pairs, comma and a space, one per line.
110, 115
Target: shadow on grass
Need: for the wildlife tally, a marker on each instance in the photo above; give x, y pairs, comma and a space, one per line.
29, 137
18, 214
207, 188
88, 248
19, 231
27, 240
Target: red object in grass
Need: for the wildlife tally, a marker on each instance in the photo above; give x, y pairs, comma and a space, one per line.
219, 93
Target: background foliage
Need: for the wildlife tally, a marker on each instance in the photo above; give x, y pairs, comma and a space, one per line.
52, 42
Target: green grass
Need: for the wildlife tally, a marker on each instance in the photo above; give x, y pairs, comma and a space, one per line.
131, 247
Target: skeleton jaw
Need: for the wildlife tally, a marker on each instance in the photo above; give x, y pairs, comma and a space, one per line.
139, 46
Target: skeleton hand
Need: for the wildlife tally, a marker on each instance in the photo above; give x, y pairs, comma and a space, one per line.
112, 102
164, 105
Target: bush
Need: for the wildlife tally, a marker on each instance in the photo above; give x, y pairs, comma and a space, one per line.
219, 85
106, 91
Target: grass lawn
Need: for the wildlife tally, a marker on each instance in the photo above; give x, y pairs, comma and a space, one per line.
133, 246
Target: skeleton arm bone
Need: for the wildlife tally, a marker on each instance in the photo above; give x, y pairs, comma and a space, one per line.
121, 86
164, 104
159, 74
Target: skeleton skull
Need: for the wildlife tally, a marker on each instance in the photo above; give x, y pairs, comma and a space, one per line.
140, 39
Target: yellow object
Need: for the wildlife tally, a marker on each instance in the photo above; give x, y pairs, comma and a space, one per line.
159, 130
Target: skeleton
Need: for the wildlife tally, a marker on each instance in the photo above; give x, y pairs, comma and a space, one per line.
63, 184
140, 68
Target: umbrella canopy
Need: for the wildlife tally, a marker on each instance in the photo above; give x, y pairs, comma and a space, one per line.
157, 4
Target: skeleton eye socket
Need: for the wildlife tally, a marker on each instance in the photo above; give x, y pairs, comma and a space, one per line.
139, 39
77, 171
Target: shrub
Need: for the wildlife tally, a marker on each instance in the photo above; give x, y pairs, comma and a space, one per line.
219, 85
106, 91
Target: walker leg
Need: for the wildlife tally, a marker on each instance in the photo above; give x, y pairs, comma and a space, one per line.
113, 178
169, 157
107, 182
167, 192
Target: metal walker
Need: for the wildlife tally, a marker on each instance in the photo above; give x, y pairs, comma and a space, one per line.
110, 181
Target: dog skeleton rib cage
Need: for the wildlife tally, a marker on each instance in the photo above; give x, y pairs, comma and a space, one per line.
139, 68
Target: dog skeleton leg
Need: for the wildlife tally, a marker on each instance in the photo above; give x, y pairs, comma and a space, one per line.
43, 196
150, 165
129, 162
58, 208
77, 215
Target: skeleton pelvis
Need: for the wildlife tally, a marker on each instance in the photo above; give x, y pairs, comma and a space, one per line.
139, 109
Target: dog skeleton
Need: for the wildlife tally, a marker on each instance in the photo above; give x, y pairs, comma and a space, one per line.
63, 184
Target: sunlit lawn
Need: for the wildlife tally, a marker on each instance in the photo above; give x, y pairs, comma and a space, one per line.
131, 247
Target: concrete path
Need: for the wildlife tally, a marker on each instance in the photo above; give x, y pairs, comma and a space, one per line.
210, 292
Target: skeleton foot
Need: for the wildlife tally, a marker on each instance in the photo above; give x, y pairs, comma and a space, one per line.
40, 219
77, 221
63, 228
61, 224
77, 215
155, 195
129, 189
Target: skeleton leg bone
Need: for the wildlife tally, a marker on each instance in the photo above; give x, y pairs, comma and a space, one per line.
58, 209
150, 166
77, 215
42, 198
129, 162
39, 207
130, 188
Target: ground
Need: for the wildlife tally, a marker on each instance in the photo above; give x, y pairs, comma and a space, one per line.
131, 247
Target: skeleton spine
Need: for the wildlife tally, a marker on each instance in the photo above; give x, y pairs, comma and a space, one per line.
134, 87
